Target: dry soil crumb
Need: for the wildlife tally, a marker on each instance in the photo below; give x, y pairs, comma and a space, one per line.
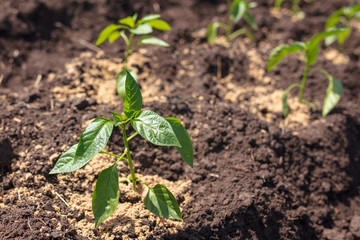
336, 57
266, 102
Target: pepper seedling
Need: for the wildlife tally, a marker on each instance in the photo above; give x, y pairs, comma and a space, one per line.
237, 10
295, 8
342, 17
157, 130
308, 51
127, 29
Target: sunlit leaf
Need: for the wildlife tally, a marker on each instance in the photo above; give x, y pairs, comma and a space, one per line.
66, 162
186, 150
120, 82
113, 36
128, 21
333, 93
238, 10
150, 40
212, 32
93, 140
143, 28
160, 25
160, 201
106, 194
155, 129
133, 97
282, 51
106, 32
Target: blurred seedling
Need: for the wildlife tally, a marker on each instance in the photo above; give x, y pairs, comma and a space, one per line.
127, 29
342, 18
151, 126
237, 10
308, 52
295, 7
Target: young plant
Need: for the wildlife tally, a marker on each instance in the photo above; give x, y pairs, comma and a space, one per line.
308, 51
157, 130
237, 10
295, 8
127, 29
342, 17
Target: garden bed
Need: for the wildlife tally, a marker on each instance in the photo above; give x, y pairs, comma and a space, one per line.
256, 175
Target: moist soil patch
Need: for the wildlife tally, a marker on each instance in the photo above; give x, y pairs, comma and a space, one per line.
255, 175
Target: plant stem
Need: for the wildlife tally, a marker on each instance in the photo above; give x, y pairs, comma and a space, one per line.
303, 82
132, 136
111, 154
128, 50
127, 150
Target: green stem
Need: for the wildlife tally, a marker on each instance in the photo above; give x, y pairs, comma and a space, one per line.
132, 136
127, 151
303, 82
142, 183
128, 50
122, 157
114, 155
229, 23
111, 154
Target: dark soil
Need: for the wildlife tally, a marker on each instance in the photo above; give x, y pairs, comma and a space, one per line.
253, 178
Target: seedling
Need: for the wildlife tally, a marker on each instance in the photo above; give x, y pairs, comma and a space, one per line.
295, 8
342, 17
308, 51
157, 130
237, 10
127, 29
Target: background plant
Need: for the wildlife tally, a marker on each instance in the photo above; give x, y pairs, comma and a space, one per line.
237, 10
127, 29
295, 8
157, 130
342, 18
308, 51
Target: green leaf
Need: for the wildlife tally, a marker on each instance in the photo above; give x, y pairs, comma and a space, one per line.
278, 3
285, 104
143, 28
66, 162
120, 82
117, 118
113, 36
133, 99
282, 51
285, 97
186, 150
342, 38
312, 56
329, 40
212, 32
238, 10
150, 40
150, 17
106, 32
160, 25
155, 129
128, 21
333, 93
160, 201
333, 20
311, 44
106, 194
250, 20
93, 140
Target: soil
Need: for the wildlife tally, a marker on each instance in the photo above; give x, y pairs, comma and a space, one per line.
255, 175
